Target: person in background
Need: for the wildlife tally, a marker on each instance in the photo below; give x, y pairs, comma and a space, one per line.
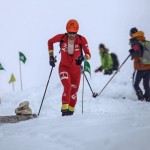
71, 45
106, 61
141, 70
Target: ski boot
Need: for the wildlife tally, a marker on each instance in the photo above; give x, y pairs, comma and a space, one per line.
140, 95
65, 112
147, 99
70, 113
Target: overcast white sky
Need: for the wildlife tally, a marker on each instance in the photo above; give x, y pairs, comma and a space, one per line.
27, 25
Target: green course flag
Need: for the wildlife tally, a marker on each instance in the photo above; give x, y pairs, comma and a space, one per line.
1, 67
87, 67
22, 57
12, 78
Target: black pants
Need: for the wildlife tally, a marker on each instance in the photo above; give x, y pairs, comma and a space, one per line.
138, 75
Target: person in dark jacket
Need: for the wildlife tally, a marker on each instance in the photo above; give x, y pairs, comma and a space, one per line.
106, 61
142, 71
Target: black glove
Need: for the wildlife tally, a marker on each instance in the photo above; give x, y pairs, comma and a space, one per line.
131, 51
98, 69
79, 60
52, 61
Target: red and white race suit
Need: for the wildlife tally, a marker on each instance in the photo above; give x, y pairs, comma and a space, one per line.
69, 72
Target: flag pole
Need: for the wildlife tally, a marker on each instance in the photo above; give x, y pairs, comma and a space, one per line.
13, 86
20, 74
82, 91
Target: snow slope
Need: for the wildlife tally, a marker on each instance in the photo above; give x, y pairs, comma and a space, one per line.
108, 122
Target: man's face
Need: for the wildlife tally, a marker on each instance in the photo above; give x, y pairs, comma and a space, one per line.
71, 35
102, 50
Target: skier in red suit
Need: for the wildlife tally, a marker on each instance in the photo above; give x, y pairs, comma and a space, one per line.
71, 45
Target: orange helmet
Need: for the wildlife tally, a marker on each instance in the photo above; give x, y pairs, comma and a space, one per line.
72, 26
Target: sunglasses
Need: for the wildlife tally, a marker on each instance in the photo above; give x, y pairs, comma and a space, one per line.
72, 32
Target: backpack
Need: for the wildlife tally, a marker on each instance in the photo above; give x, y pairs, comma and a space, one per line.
145, 59
115, 61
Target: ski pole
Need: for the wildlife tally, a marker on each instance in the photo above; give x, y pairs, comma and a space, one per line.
45, 90
82, 93
94, 94
114, 74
